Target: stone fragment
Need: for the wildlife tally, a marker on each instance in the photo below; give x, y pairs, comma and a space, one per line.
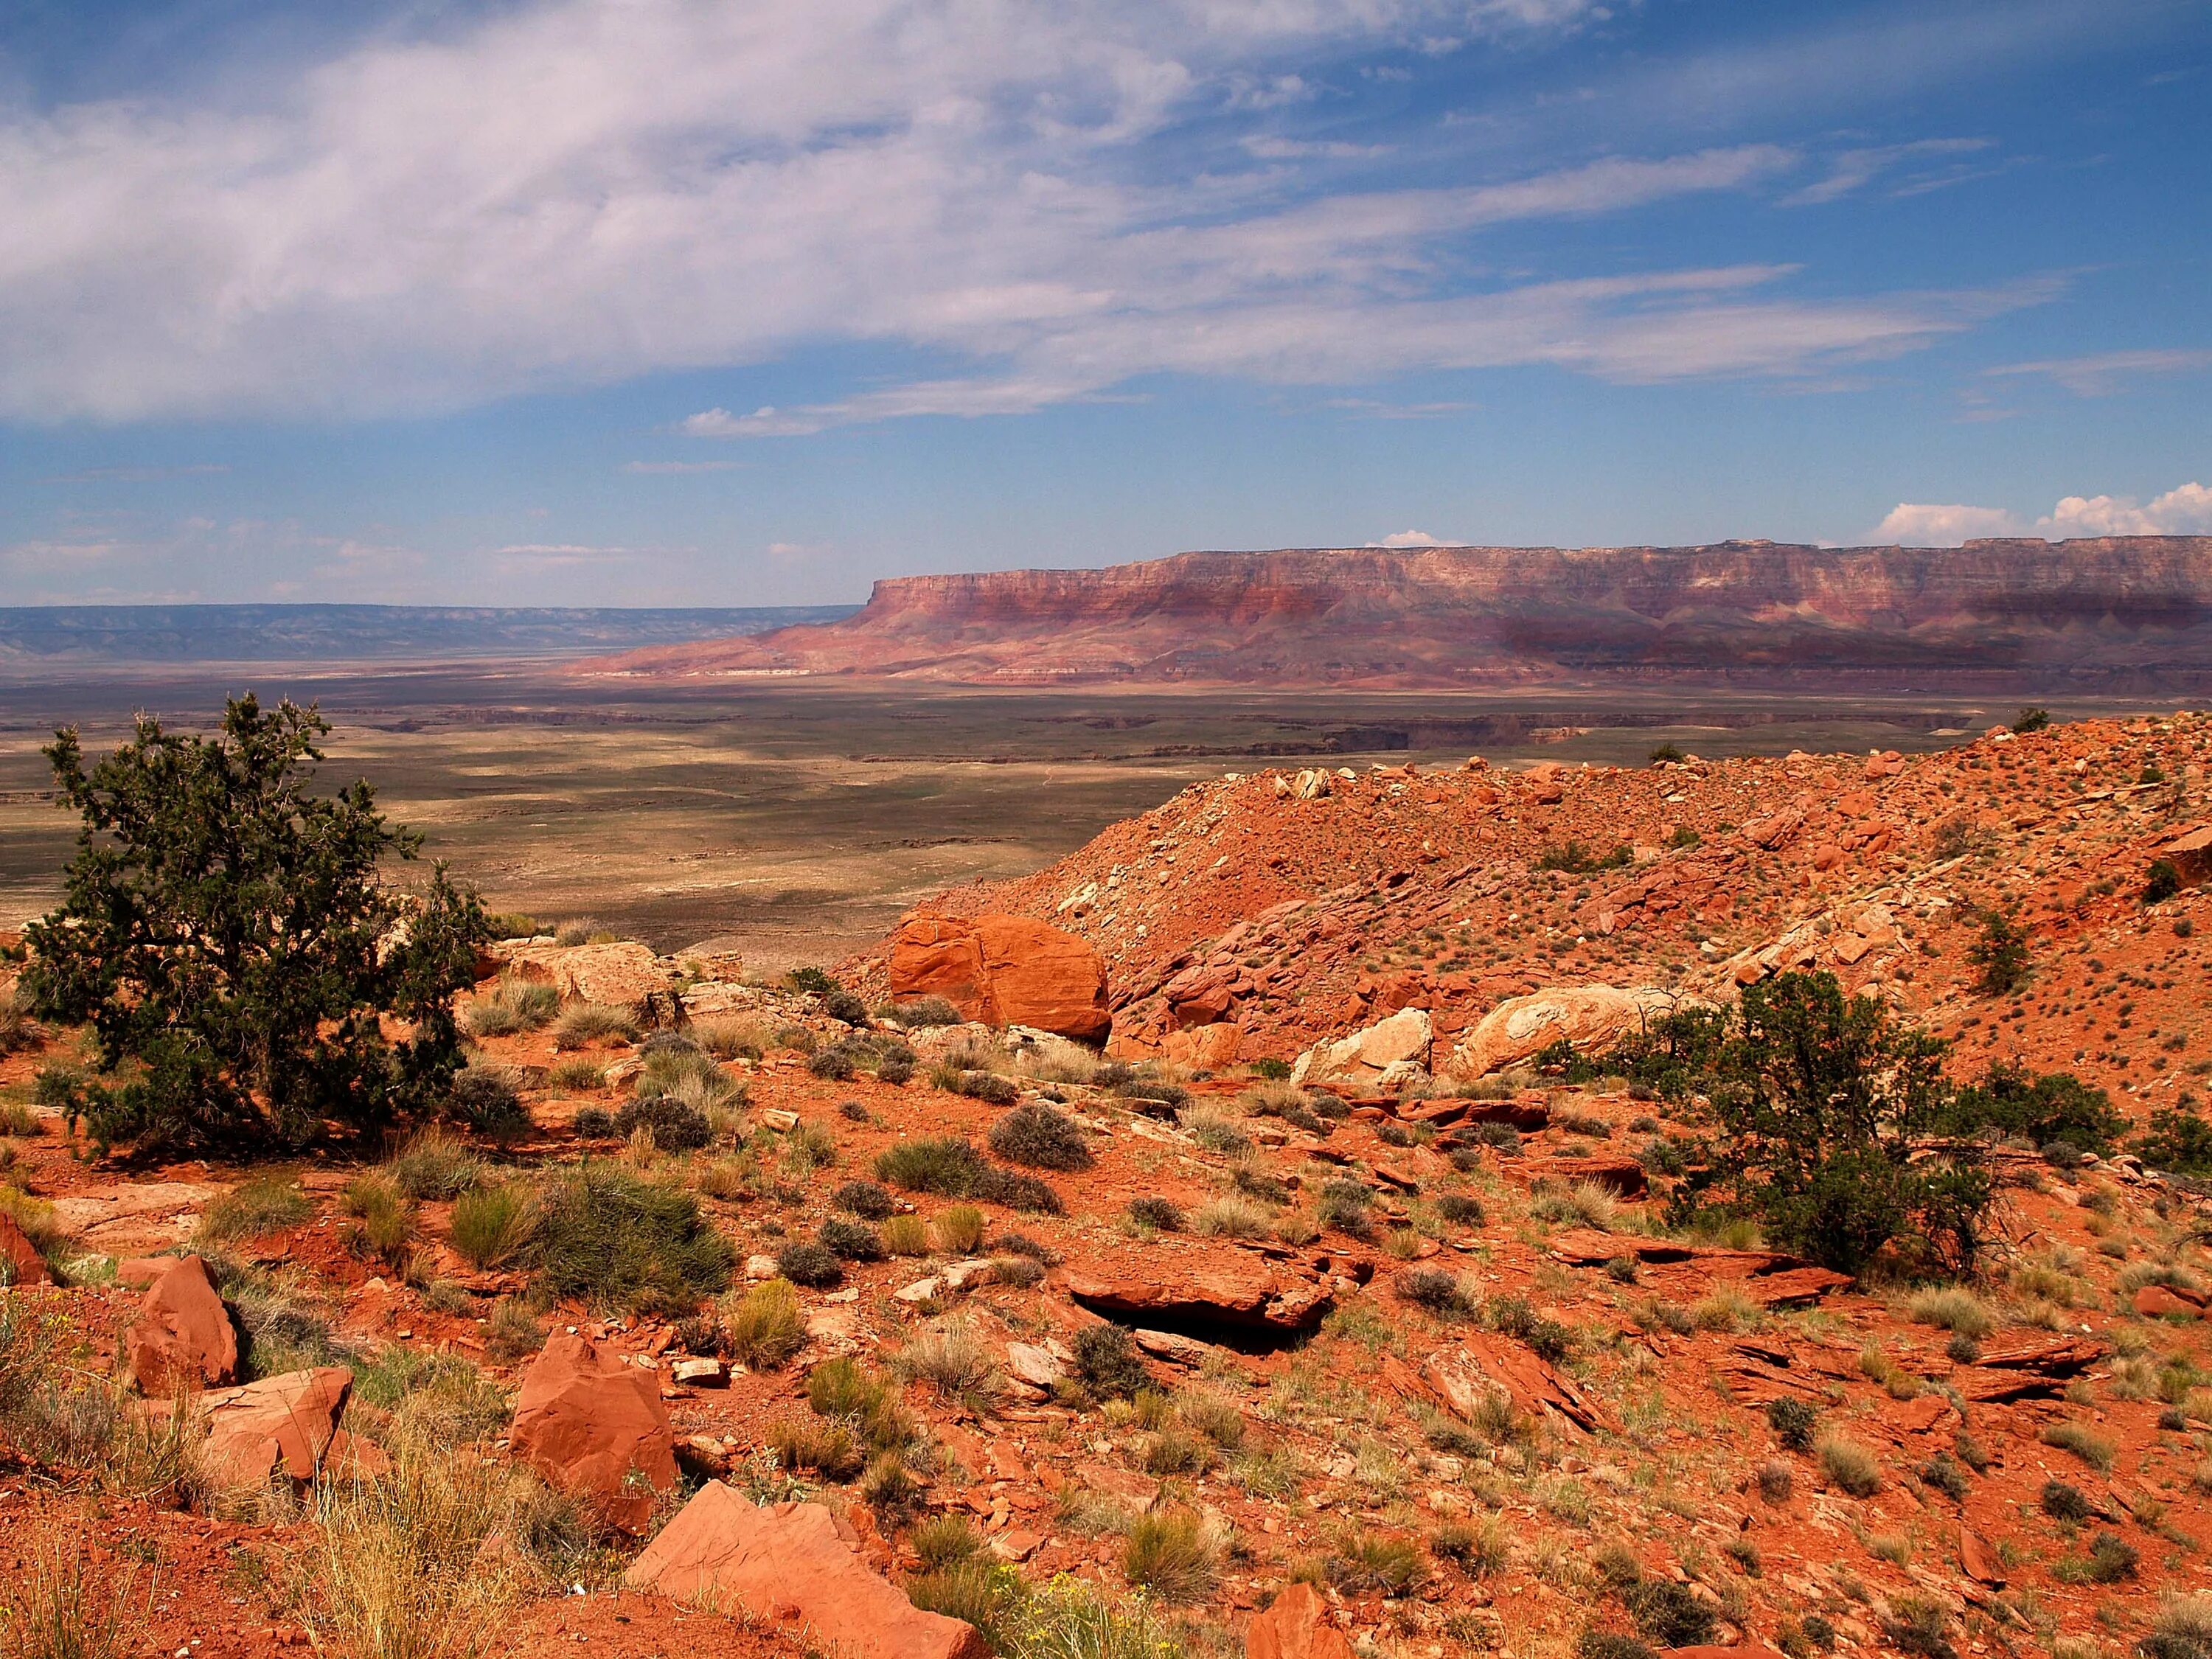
790, 1568
1295, 1625
1227, 1287
1003, 970
700, 1374
595, 1428
1391, 1050
280, 1425
20, 1260
183, 1337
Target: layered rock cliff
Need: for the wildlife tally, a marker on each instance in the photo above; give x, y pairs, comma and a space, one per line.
2118, 613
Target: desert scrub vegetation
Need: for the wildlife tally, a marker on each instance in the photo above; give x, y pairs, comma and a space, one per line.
485, 1098
616, 1238
920, 1012
959, 1230
383, 1216
62, 1416
1960, 1311
1041, 1137
266, 1203
1850, 1465
435, 1165
512, 1006
582, 1024
491, 1226
61, 1606
2083, 1442
1176, 1557
765, 1325
1158, 1215
950, 1167
951, 1358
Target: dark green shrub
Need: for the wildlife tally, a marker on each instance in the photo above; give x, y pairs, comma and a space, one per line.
237, 936
2063, 1502
919, 1012
896, 1066
2161, 881
1016, 1192
1108, 1362
2031, 719
2178, 1142
1512, 1316
483, 1099
2053, 1106
1793, 1421
1037, 1135
1669, 1614
989, 1088
803, 1261
1438, 1291
1665, 752
1163, 1214
849, 1241
676, 1126
1611, 1644
1461, 1211
593, 1123
944, 1165
607, 1236
2001, 953
1271, 1069
865, 1199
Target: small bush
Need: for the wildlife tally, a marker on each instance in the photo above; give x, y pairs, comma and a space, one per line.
1851, 1466
2083, 1442
2112, 1560
1229, 1217
906, 1235
2182, 1630
2063, 1502
1344, 1205
831, 1449
1017, 1192
675, 1126
1461, 1211
1776, 1481
609, 1236
593, 1123
513, 1331
1944, 1473
960, 1229
1438, 1291
952, 1359
1108, 1362
1363, 1561
1163, 1214
265, 1205
813, 1265
865, 1199
943, 1164
1953, 1311
483, 1099
2161, 881
1514, 1318
575, 1075
850, 1241
1172, 1556
1611, 1644
515, 1004
919, 1013
765, 1327
1669, 1614
1041, 1137
492, 1225
583, 1024
1793, 1421
384, 1219
435, 1165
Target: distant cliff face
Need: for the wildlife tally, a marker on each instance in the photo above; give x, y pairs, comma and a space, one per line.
2120, 613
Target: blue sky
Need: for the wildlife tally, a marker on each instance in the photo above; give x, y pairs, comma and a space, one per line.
668, 302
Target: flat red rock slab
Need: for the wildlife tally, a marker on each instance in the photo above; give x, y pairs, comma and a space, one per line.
789, 1567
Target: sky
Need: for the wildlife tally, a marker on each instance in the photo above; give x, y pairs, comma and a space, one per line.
727, 302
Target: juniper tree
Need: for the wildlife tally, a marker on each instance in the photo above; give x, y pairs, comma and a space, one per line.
237, 945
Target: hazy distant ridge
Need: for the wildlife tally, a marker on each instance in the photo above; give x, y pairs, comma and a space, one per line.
370, 633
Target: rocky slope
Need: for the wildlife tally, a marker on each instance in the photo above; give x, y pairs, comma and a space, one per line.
1403, 1371
1259, 914
2122, 614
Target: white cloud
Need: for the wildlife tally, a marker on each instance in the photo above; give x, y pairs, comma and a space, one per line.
562, 192
2102, 372
1852, 170
1927, 524
1414, 538
2186, 510
2183, 511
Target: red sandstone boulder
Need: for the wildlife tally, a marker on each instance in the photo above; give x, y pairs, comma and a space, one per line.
788, 1566
279, 1425
1296, 1626
1230, 1288
20, 1260
588, 1423
1593, 1017
2159, 1301
1003, 970
183, 1337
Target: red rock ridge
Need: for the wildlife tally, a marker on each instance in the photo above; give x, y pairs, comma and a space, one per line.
2117, 613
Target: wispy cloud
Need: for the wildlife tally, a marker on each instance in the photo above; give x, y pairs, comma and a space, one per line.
134, 474
2103, 373
1853, 170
